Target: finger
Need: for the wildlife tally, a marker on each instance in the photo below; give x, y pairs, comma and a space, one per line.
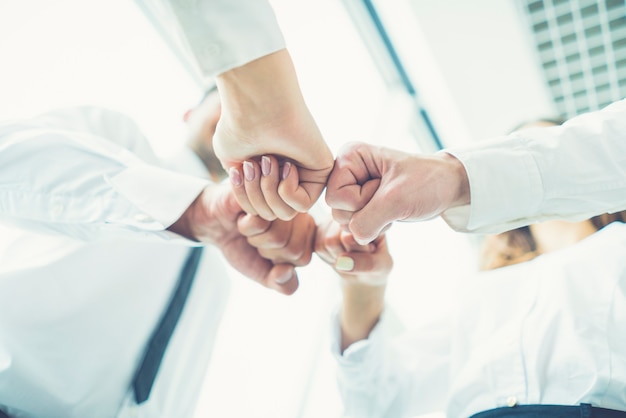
296, 241
299, 250
277, 236
342, 217
282, 278
350, 197
251, 225
236, 180
376, 216
349, 244
252, 185
270, 179
376, 263
328, 242
298, 194
354, 179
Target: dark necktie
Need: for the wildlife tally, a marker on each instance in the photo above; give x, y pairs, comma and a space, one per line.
145, 375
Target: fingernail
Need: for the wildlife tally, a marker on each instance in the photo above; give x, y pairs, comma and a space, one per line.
286, 169
248, 170
265, 166
235, 176
285, 277
344, 264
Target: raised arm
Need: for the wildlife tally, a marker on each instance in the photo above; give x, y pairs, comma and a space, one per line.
263, 112
363, 270
571, 172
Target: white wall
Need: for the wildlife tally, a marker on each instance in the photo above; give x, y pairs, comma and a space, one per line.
483, 53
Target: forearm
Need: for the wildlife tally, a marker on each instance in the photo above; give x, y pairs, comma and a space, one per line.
251, 90
360, 311
263, 115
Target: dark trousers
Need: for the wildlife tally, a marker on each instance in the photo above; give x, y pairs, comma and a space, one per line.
584, 410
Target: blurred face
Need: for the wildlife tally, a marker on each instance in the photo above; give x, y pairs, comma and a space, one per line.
504, 250
538, 124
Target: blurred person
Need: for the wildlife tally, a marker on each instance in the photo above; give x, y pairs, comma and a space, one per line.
537, 334
106, 252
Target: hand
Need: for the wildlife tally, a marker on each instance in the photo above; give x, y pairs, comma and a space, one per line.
264, 113
289, 242
263, 186
364, 270
212, 218
371, 187
368, 264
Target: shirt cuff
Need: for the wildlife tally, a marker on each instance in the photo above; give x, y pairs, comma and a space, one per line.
158, 196
355, 355
225, 34
505, 186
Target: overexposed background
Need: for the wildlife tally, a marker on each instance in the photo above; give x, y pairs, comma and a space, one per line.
474, 73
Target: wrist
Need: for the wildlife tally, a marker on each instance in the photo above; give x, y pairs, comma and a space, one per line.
457, 179
361, 310
201, 220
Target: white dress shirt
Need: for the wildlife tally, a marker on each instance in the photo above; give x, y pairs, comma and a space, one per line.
83, 288
213, 36
548, 331
574, 171
90, 174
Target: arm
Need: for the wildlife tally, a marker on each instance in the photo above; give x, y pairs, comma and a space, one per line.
263, 117
380, 376
263, 111
571, 172
58, 176
370, 187
363, 271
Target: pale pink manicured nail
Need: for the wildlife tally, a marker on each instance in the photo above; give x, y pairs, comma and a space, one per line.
285, 277
248, 170
265, 166
286, 169
235, 176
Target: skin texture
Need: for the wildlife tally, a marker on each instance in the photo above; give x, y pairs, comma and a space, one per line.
370, 187
363, 284
264, 113
363, 269
212, 218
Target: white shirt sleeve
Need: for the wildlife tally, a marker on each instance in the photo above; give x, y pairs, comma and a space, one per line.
572, 172
387, 376
81, 184
213, 36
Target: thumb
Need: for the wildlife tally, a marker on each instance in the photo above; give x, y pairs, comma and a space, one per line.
282, 278
368, 223
296, 193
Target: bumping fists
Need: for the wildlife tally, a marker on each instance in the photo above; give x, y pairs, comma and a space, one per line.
368, 188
